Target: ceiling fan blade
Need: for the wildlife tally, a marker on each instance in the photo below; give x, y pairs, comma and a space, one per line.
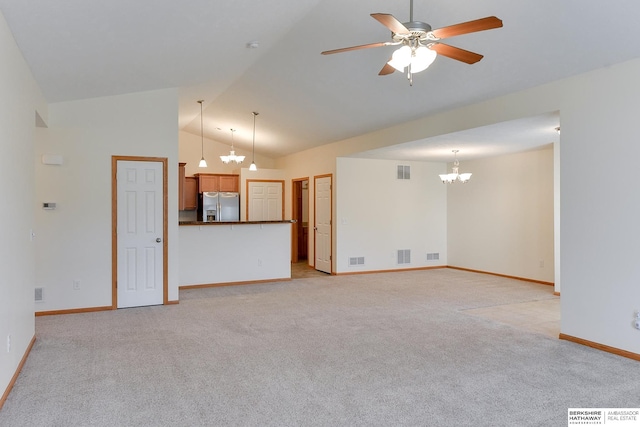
362, 46
390, 22
456, 53
387, 69
481, 24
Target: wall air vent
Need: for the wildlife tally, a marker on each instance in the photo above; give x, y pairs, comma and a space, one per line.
39, 294
404, 172
354, 261
404, 256
433, 256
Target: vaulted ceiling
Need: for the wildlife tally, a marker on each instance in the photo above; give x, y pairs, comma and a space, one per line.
80, 49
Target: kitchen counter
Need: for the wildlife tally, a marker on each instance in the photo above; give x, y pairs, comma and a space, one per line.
288, 221
227, 253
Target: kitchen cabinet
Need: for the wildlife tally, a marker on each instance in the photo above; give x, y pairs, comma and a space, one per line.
181, 186
218, 182
190, 193
230, 183
187, 190
207, 182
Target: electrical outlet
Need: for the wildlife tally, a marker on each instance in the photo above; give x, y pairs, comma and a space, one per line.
259, 262
541, 263
8, 343
76, 284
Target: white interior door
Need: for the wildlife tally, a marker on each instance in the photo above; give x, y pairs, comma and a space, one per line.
140, 226
265, 201
323, 224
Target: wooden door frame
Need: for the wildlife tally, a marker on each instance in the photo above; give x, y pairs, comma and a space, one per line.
114, 225
294, 215
315, 223
248, 197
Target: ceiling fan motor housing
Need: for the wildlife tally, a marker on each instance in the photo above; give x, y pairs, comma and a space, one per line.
417, 31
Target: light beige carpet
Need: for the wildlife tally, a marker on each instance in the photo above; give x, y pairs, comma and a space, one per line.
409, 349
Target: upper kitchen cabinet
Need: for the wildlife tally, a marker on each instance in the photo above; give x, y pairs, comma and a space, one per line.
208, 182
187, 190
190, 193
230, 183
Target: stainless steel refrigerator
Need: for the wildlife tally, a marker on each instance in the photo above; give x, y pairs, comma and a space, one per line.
220, 207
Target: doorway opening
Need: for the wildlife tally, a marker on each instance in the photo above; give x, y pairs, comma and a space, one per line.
300, 214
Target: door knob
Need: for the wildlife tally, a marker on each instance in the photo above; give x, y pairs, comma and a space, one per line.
158, 240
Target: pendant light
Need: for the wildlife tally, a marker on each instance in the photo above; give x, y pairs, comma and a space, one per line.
203, 162
232, 154
253, 166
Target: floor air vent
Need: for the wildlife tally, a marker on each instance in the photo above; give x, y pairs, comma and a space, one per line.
404, 256
358, 260
39, 295
433, 257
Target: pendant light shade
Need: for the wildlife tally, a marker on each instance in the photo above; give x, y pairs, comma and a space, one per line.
203, 162
253, 166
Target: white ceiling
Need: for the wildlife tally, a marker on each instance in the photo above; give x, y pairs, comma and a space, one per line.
80, 49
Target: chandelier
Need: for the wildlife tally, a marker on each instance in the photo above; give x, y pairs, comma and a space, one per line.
232, 154
454, 176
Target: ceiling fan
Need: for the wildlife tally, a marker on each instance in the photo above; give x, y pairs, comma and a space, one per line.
419, 44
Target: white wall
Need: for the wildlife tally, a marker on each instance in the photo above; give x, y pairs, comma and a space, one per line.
379, 214
600, 206
74, 240
20, 98
501, 221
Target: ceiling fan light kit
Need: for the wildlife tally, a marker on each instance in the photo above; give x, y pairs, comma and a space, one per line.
420, 45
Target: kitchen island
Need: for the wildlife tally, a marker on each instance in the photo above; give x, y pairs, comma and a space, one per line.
229, 253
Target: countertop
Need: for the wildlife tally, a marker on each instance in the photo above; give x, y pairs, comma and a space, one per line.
286, 221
